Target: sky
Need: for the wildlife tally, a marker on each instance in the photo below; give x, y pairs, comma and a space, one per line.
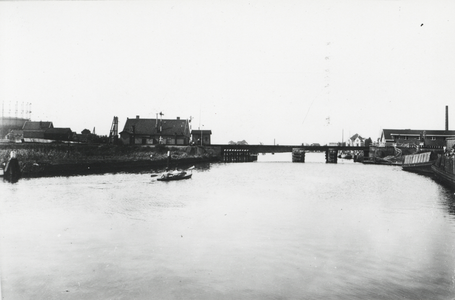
282, 71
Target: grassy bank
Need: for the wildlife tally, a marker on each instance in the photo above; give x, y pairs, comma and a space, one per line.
63, 159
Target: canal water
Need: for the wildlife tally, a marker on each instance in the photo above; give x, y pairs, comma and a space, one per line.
271, 229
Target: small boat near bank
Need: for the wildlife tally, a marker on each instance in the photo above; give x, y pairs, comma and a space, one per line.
444, 166
170, 176
444, 169
419, 162
175, 175
347, 156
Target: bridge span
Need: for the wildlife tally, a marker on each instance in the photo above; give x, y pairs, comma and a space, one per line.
256, 149
238, 153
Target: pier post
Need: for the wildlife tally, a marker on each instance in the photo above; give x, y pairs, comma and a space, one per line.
331, 156
298, 155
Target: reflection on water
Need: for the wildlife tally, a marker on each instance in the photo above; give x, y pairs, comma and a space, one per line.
266, 230
448, 199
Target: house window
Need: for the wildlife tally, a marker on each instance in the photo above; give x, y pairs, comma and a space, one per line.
418, 138
433, 138
405, 138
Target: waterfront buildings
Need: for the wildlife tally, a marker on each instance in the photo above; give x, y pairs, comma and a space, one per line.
8, 124
23, 130
355, 141
139, 131
201, 137
435, 139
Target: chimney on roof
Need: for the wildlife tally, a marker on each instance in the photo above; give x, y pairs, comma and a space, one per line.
178, 118
447, 118
137, 116
156, 123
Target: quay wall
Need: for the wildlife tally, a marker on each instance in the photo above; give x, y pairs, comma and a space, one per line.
76, 159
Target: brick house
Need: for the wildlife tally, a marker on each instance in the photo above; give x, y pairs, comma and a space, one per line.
34, 130
201, 135
139, 131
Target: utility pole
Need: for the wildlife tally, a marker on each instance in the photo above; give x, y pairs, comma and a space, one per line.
161, 121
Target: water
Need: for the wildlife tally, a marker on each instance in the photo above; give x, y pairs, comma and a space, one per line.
266, 230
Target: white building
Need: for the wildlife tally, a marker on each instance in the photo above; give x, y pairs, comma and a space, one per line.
355, 141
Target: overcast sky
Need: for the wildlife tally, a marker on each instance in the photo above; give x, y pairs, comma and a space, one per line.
262, 71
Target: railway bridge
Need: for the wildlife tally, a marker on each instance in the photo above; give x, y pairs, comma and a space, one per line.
241, 153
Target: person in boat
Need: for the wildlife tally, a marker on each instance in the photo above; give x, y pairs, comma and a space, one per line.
178, 172
170, 173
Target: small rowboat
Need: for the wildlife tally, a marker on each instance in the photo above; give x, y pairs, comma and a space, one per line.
170, 176
175, 175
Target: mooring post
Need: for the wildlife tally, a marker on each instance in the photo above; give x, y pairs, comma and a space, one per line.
12, 171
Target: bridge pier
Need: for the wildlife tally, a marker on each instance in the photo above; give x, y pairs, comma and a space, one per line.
248, 153
298, 155
238, 155
331, 156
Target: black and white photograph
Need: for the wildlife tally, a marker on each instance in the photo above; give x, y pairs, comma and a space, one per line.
227, 149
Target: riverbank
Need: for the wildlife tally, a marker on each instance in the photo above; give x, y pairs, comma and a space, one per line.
37, 160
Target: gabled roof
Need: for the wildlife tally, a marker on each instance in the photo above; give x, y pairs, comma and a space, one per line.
37, 125
151, 126
388, 134
355, 136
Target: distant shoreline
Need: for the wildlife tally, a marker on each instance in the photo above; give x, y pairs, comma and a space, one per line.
47, 160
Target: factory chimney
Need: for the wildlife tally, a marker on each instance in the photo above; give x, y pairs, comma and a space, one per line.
447, 118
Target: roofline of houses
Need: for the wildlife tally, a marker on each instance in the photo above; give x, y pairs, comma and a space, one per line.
415, 134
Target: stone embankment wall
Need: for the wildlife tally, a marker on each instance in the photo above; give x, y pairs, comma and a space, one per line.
73, 159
